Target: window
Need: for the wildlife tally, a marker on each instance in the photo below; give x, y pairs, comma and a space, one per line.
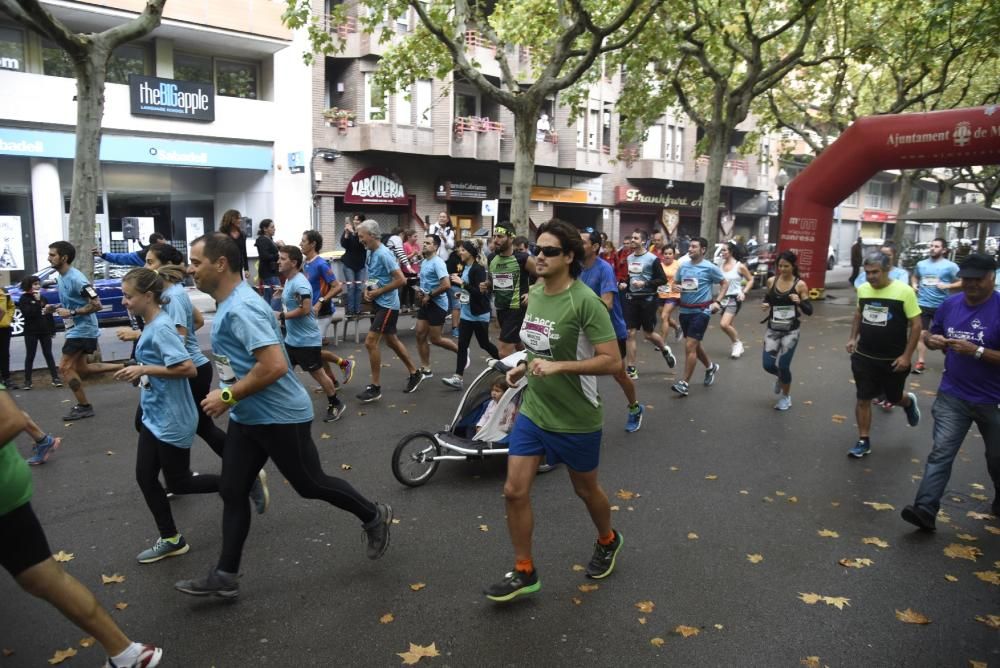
55, 61
404, 108
403, 21
932, 198
879, 195
852, 199
579, 133
236, 79
606, 129
375, 99
652, 147
593, 126
126, 60
425, 95
11, 49
193, 68
466, 104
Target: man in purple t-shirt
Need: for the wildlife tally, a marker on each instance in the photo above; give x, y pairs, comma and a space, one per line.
967, 328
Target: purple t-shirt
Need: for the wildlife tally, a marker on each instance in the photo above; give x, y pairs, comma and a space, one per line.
965, 377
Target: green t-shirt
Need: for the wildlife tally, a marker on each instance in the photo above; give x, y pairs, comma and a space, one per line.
505, 272
15, 479
564, 327
884, 319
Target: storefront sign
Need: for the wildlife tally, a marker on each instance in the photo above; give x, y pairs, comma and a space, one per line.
375, 186
296, 162
878, 216
630, 195
167, 98
564, 195
461, 191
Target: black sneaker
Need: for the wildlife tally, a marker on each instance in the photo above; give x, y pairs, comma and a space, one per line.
371, 393
668, 356
514, 584
334, 412
56, 382
377, 531
426, 373
79, 412
216, 583
9, 384
413, 382
603, 561
26, 387
918, 517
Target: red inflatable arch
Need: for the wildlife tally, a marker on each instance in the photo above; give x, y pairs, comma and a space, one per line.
957, 138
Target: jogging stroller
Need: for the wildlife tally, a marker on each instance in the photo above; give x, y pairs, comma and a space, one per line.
418, 454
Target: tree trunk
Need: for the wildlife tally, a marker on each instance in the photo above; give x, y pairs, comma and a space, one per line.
717, 151
905, 194
944, 199
525, 123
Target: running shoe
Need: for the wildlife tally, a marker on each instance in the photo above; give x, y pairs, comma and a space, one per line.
514, 584
259, 493
603, 561
9, 384
631, 372
784, 403
149, 657
737, 350
454, 332
918, 517
413, 382
162, 549
710, 374
334, 412
56, 382
371, 393
680, 387
26, 387
348, 368
678, 334
426, 373
79, 412
42, 451
454, 382
634, 420
216, 583
860, 449
377, 531
919, 368
668, 355
913, 411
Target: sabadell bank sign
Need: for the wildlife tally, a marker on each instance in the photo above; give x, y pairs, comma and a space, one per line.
166, 98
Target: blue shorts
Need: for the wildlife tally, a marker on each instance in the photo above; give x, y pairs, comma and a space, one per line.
580, 452
694, 325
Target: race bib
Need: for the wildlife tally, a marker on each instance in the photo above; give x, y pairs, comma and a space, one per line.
226, 374
689, 284
783, 313
535, 337
875, 315
463, 297
930, 281
663, 291
371, 284
503, 281
635, 267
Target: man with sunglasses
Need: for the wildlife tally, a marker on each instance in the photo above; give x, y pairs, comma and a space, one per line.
570, 340
510, 272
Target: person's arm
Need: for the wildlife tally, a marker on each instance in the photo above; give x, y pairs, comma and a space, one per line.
93, 304
659, 276
185, 369
723, 289
268, 369
398, 281
124, 259
199, 319
915, 278
30, 307
852, 343
12, 420
903, 361
801, 297
299, 311
609, 300
529, 264
964, 347
748, 277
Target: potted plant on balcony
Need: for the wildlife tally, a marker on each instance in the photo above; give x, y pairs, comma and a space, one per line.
342, 118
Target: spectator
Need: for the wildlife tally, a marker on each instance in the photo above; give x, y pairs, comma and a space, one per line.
39, 328
354, 263
857, 250
232, 225
6, 316
135, 259
267, 260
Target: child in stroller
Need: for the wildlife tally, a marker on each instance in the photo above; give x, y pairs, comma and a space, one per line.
481, 416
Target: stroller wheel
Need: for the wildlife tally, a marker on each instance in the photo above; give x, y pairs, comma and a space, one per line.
413, 460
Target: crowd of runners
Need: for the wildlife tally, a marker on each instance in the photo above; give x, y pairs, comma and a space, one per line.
574, 304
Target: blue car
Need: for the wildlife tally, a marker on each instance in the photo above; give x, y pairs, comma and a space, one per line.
107, 281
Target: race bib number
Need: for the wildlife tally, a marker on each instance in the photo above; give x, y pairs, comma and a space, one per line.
371, 284
689, 284
663, 291
536, 338
503, 281
222, 366
930, 281
875, 315
463, 297
635, 267
783, 313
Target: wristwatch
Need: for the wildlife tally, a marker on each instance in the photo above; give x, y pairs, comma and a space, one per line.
73, 312
227, 397
980, 351
322, 300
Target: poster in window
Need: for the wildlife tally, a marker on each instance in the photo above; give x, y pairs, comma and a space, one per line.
11, 247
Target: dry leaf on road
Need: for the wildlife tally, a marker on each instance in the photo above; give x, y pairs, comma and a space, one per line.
993, 577
957, 551
417, 652
965, 536
62, 655
87, 642
577, 567
657, 642
755, 558
692, 536
993, 530
880, 506
62, 556
687, 631
827, 533
857, 562
978, 516
837, 601
876, 541
110, 579
585, 588
417, 586
642, 620
484, 527
810, 598
645, 606
810, 662
950, 578
909, 616
121, 605
625, 495
992, 621
977, 664
577, 600
387, 618
711, 476
345, 467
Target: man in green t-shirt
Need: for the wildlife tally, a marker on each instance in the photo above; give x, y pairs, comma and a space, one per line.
25, 554
570, 341
510, 271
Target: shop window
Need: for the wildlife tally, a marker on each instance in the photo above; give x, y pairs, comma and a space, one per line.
375, 99
404, 108
193, 68
236, 79
11, 49
580, 133
652, 147
125, 60
425, 95
932, 198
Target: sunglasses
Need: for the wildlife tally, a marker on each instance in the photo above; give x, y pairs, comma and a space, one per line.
550, 251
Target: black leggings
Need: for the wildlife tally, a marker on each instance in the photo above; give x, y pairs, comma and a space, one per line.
22, 540
291, 448
466, 328
30, 343
207, 429
153, 456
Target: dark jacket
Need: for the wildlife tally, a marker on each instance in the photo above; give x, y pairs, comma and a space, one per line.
36, 322
267, 257
241, 241
856, 253
354, 251
479, 302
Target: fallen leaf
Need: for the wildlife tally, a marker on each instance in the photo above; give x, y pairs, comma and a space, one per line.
976, 485
810, 598
576, 600
992, 621
743, 491
674, 468
7, 651
807, 402
87, 642
687, 631
778, 492
657, 642
692, 536
768, 499
109, 579
417, 652
711, 476
979, 497
943, 517
915, 460
993, 530
977, 664
718, 626
755, 558
827, 533
857, 562
587, 588
793, 499
957, 551
387, 618
835, 504
950, 578
109, 453
979, 516
642, 620
880, 506
909, 616
417, 586
395, 520
61, 655
837, 601
877, 542
645, 606
965, 536
346, 467
484, 527
324, 436
616, 508
121, 605
577, 567
993, 577
625, 495
63, 556
810, 662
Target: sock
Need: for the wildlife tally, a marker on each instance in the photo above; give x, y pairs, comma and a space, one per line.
525, 566
44, 440
173, 539
863, 438
129, 656
607, 540
334, 400
633, 408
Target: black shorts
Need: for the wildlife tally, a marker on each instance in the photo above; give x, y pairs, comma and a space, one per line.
621, 346
927, 316
641, 312
694, 325
309, 358
510, 320
384, 321
79, 345
876, 378
432, 313
22, 540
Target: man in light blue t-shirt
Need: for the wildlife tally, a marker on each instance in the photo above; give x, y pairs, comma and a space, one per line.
933, 278
433, 300
78, 307
696, 279
385, 278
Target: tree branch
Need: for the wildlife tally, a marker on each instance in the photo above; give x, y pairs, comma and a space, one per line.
482, 23
32, 15
137, 27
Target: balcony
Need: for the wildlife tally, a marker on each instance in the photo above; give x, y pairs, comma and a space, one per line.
736, 172
483, 52
356, 42
589, 160
547, 151
655, 169
476, 138
364, 137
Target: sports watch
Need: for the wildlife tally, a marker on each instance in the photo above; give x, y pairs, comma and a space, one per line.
228, 398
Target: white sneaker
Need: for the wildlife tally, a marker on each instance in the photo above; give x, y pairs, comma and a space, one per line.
454, 381
737, 350
784, 403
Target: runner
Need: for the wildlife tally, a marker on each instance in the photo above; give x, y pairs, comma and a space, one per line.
696, 278
475, 312
600, 277
303, 342
26, 555
933, 278
895, 273
568, 334
785, 297
270, 416
739, 282
384, 280
669, 294
447, 252
434, 286
45, 444
325, 287
967, 328
79, 305
645, 276
509, 274
883, 337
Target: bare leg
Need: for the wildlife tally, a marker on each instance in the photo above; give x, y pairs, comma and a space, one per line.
655, 339
703, 356
691, 348
506, 348
587, 488
321, 377
727, 326
630, 347
863, 414
628, 387
517, 498
435, 336
423, 347
397, 347
372, 342
32, 429
68, 369
666, 324
921, 350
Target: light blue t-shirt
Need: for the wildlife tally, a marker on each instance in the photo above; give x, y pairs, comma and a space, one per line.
179, 308
380, 264
464, 300
895, 274
168, 409
244, 323
431, 273
930, 274
695, 282
301, 332
71, 296
600, 278
641, 268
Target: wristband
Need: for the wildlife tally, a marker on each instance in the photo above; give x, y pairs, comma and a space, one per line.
980, 351
73, 312
227, 397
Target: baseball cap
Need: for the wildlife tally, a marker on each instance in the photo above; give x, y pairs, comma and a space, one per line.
977, 265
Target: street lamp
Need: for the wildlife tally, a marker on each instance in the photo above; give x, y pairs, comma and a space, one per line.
781, 180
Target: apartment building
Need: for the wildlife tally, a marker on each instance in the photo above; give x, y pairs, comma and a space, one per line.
174, 167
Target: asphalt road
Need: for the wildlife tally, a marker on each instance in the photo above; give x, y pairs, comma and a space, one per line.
713, 478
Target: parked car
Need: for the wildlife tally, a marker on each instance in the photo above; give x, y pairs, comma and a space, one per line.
831, 258
107, 282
